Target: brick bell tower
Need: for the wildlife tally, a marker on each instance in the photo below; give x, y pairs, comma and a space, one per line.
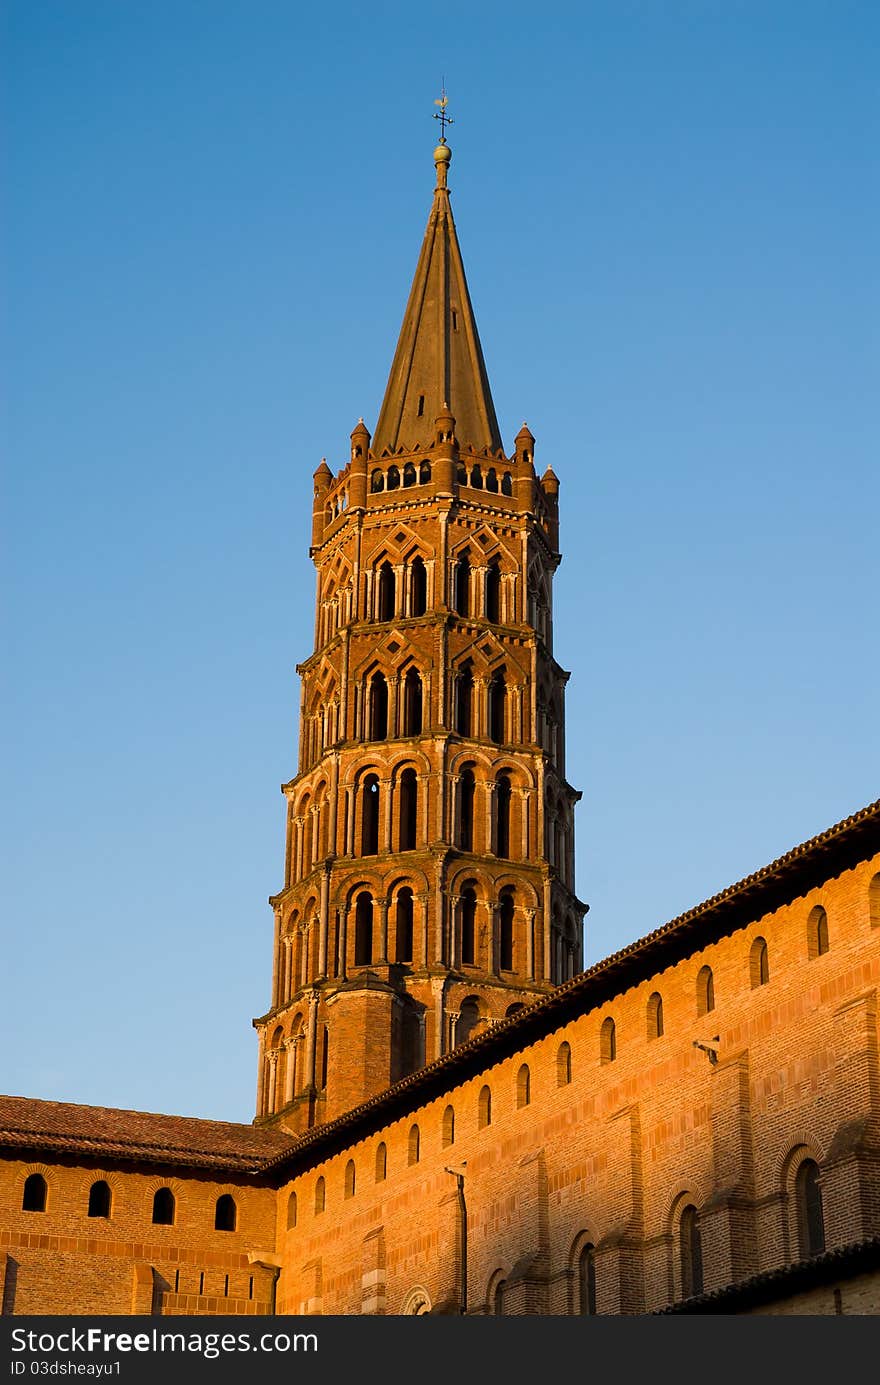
429, 877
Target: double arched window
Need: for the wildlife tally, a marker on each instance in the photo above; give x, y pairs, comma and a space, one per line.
370, 815
363, 929
505, 929
468, 924
503, 796
404, 922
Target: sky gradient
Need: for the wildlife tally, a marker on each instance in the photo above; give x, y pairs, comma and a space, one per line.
669, 219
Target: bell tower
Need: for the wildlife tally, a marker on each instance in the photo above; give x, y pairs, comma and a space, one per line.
429, 874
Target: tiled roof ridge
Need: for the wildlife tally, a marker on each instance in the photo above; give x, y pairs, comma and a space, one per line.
855, 1253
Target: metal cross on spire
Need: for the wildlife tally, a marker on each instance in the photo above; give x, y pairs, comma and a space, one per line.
441, 115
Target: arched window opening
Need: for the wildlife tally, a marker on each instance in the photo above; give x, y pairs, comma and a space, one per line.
370, 816
448, 1135
493, 593
377, 482
505, 931
503, 795
484, 1108
705, 991
874, 902
413, 1146
467, 789
393, 478
363, 929
421, 408
163, 1207
418, 587
468, 924
497, 699
409, 475
461, 474
492, 481
468, 1019
817, 932
563, 1065
608, 1040
587, 1280
35, 1193
225, 1213
349, 1178
387, 591
691, 1252
759, 963
99, 1199
462, 585
477, 478
655, 1016
507, 484
409, 805
498, 1298
291, 1212
378, 707
811, 1221
523, 1086
381, 1163
320, 1195
464, 696
404, 950
425, 473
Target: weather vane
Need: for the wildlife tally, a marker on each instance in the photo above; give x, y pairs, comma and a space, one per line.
441, 115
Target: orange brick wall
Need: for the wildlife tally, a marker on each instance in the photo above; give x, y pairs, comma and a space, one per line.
63, 1261
610, 1157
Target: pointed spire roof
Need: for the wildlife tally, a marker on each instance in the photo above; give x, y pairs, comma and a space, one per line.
438, 365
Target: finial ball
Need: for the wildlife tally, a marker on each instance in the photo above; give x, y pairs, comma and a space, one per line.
442, 154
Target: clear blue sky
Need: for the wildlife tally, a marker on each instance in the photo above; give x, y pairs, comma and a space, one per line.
669, 220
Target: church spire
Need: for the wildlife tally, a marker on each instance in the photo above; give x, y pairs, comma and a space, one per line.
438, 365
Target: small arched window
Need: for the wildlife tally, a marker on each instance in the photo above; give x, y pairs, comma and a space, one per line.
492, 480
563, 1065
163, 1207
505, 930
477, 478
381, 1163
370, 816
811, 1221
498, 1298
363, 929
409, 475
523, 1086
225, 1213
655, 1016
412, 704
414, 1145
425, 473
608, 1040
387, 588
705, 991
393, 478
99, 1199
464, 699
462, 585
587, 1280
377, 482
507, 484
291, 1212
418, 587
378, 707
503, 794
817, 932
759, 963
493, 593
448, 1126
404, 931
468, 924
691, 1253
484, 1108
320, 1195
497, 703
409, 809
349, 1178
34, 1194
